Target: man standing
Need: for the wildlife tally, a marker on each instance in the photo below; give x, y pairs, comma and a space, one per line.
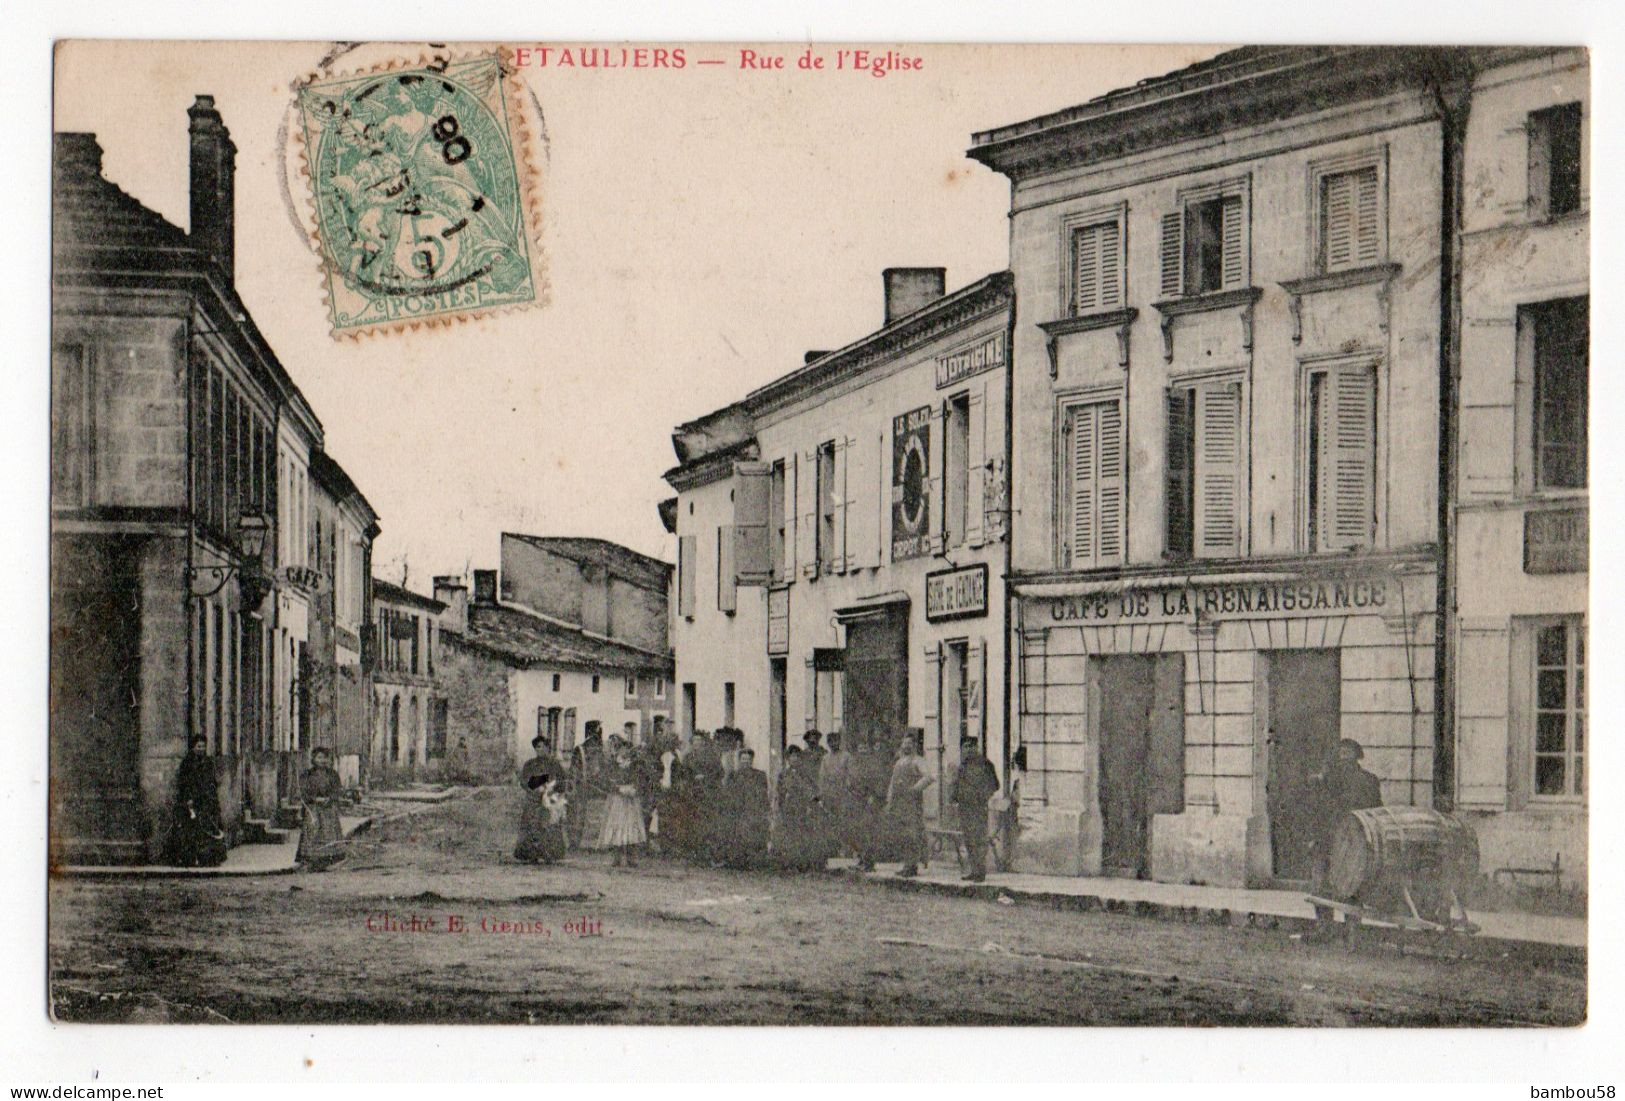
813, 740
835, 791
745, 811
974, 784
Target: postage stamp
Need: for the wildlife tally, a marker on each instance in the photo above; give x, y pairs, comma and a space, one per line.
421, 195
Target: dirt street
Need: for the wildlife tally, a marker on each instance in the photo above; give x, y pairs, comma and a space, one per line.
430, 920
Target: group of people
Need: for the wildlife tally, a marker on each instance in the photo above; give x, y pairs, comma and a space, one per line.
705, 799
197, 836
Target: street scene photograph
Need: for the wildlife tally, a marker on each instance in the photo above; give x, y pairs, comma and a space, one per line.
818, 534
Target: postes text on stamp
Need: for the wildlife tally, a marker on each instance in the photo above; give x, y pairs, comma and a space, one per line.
420, 195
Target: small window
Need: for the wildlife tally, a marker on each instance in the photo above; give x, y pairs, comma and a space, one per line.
1554, 161
1351, 220
631, 686
1097, 267
660, 688
595, 682
1340, 451
728, 703
556, 681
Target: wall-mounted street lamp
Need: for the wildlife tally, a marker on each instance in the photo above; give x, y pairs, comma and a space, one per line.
252, 579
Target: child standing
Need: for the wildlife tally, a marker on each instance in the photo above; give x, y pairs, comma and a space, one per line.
623, 818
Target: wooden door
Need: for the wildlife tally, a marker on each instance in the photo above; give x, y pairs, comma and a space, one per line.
1305, 699
875, 703
1127, 694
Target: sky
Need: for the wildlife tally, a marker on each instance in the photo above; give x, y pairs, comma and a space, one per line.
702, 228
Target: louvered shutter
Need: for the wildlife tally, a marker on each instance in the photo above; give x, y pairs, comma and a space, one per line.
1173, 254
1367, 217
1218, 470
1352, 465
1235, 250
1337, 221
1084, 489
937, 489
1180, 528
860, 513
1086, 269
791, 527
976, 472
753, 518
1109, 545
727, 585
1111, 266
839, 488
807, 513
685, 575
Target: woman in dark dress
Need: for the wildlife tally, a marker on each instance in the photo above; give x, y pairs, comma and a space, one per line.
802, 841
197, 840
321, 837
541, 821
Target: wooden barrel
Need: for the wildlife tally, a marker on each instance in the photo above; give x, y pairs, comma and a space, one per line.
1387, 846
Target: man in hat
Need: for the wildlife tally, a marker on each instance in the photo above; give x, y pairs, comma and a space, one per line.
974, 784
1343, 786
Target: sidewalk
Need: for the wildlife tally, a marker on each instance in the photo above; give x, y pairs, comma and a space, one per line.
1288, 910
278, 858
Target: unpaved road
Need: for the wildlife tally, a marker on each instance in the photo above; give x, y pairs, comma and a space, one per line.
499, 942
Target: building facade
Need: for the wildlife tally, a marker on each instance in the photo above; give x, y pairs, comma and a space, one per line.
410, 708
841, 537
169, 523
1225, 444
510, 674
1520, 547
340, 694
600, 587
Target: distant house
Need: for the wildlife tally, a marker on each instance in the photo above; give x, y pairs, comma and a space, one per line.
409, 704
510, 673
601, 587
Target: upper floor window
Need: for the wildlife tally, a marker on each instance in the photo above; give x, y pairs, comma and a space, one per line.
685, 575
660, 688
1204, 242
1097, 266
1554, 161
956, 470
1340, 452
825, 550
776, 521
632, 686
1093, 483
1203, 500
72, 426
1559, 332
1350, 222
556, 682
595, 682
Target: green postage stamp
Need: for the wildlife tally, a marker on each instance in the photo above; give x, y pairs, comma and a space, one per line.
422, 194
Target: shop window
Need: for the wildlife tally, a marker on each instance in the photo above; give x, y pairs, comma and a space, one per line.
1554, 161
1340, 453
1203, 506
1093, 491
1559, 710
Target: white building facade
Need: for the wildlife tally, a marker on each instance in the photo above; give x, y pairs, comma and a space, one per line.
1521, 541
842, 538
1225, 445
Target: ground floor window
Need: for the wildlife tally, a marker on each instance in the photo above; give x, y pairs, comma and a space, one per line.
1559, 709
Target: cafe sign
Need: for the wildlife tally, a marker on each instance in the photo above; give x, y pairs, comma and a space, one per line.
956, 594
1233, 600
1556, 540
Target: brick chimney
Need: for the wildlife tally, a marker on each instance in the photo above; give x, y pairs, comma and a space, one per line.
214, 165
451, 592
485, 587
910, 289
813, 355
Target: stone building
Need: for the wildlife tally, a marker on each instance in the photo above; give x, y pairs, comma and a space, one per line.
1225, 448
340, 693
510, 673
170, 526
841, 537
409, 701
603, 588
1519, 555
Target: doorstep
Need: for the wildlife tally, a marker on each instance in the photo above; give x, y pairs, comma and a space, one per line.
1562, 937
278, 858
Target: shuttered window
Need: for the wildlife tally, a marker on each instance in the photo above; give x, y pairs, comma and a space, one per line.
1204, 246
1341, 454
1097, 267
1350, 219
1094, 438
1203, 480
685, 576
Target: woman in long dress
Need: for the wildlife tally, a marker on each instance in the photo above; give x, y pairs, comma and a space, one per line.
197, 841
541, 821
321, 838
623, 816
905, 806
802, 841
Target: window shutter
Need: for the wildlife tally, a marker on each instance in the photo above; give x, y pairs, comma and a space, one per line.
727, 591
1084, 489
752, 534
976, 472
1353, 439
811, 720
1180, 527
842, 458
937, 493
685, 575
1086, 269
791, 527
860, 517
1367, 217
883, 477
975, 681
1109, 545
1111, 267
1337, 221
807, 510
1235, 252
1218, 470
1173, 254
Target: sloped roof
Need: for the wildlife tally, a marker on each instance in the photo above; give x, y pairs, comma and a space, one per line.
522, 639
90, 211
623, 561
390, 593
